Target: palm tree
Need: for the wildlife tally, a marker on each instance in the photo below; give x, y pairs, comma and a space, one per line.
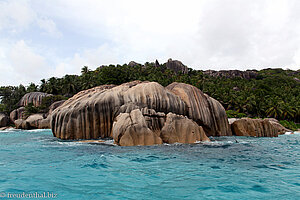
85, 70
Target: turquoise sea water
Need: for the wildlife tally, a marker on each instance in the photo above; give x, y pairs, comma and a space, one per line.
254, 168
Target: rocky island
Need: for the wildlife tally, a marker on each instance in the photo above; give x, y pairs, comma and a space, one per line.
148, 112
139, 113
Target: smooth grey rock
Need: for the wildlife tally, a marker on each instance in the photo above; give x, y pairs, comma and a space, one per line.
18, 113
204, 110
177, 66
33, 97
4, 120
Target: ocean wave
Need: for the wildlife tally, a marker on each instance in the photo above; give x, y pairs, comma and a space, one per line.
10, 130
85, 142
292, 133
37, 130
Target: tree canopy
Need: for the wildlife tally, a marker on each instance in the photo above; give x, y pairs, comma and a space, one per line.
273, 93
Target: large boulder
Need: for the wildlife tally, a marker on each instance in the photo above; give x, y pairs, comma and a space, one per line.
44, 123
4, 120
54, 106
140, 113
133, 64
33, 97
21, 124
204, 110
281, 129
32, 122
254, 128
90, 114
177, 66
146, 127
180, 129
130, 129
17, 114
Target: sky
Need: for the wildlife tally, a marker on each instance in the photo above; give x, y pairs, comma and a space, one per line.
41, 39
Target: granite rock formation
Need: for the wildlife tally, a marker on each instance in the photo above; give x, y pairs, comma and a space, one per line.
248, 74
131, 129
281, 129
33, 97
4, 120
18, 113
204, 110
54, 106
90, 114
147, 127
254, 128
35, 121
44, 123
180, 129
32, 122
138, 113
177, 66
21, 124
133, 64
146, 113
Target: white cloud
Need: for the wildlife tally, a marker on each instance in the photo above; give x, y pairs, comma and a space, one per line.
15, 15
49, 27
206, 34
93, 58
21, 64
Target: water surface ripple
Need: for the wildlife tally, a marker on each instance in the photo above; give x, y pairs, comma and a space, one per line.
253, 168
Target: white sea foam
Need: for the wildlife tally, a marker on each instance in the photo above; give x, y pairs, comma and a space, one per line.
38, 130
71, 143
288, 133
10, 130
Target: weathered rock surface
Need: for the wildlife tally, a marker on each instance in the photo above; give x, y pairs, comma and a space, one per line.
146, 113
182, 130
130, 129
54, 106
33, 97
146, 127
21, 124
281, 129
254, 128
17, 114
133, 64
249, 74
204, 110
32, 122
90, 114
177, 66
4, 120
44, 123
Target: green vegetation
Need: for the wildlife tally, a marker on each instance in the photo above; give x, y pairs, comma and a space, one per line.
290, 125
30, 109
274, 93
44, 107
10, 97
48, 101
235, 114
